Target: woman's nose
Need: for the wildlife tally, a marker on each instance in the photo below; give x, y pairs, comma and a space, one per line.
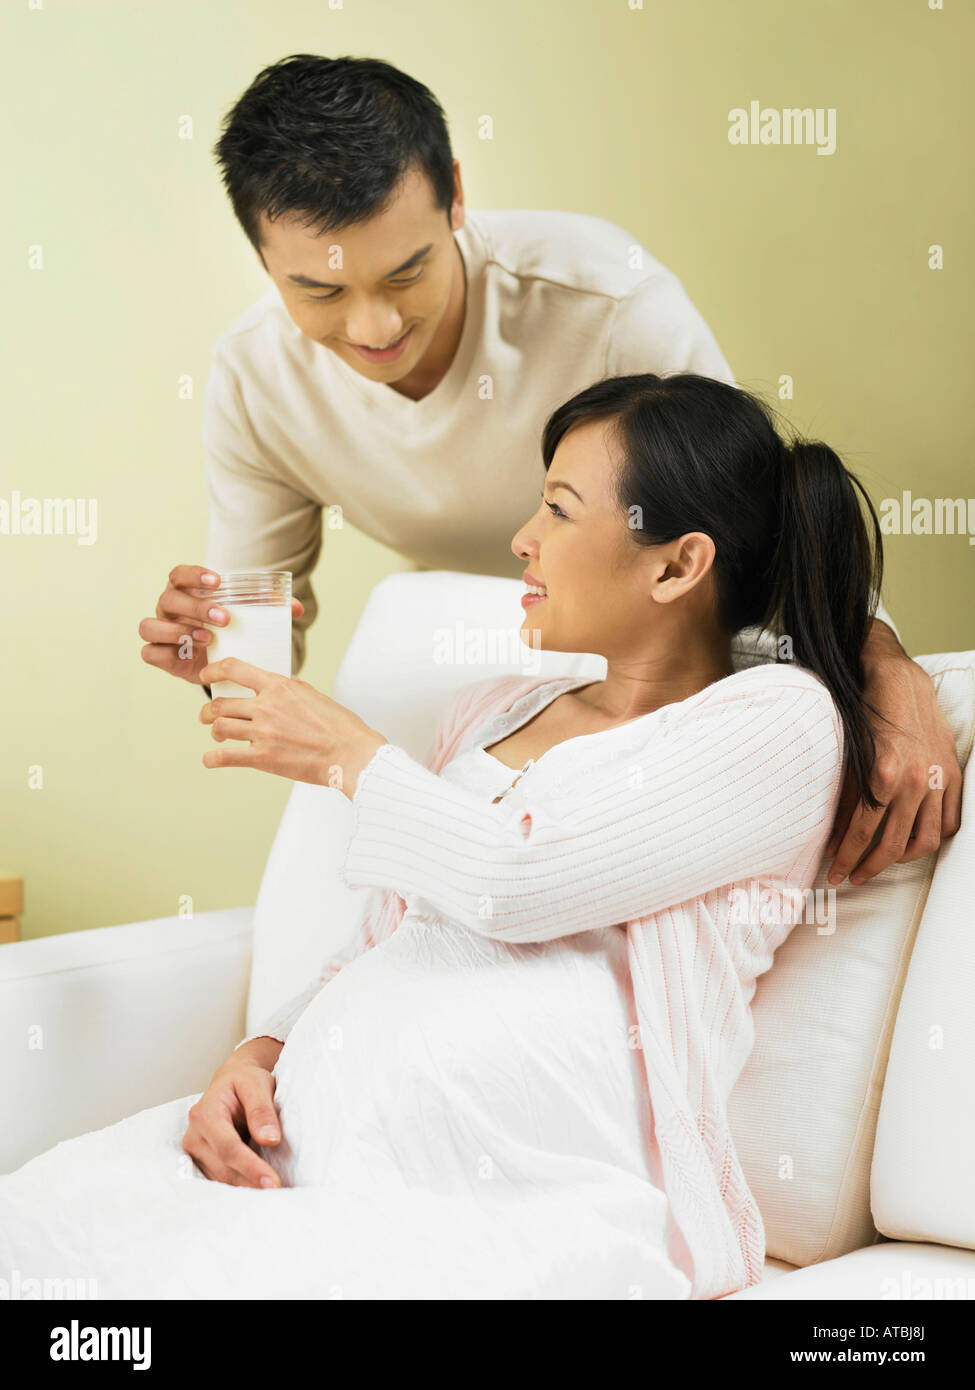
522, 545
525, 540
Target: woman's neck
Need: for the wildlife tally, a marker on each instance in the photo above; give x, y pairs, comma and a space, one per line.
639, 686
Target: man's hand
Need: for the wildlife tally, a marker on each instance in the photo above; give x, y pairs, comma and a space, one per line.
916, 776
237, 1105
176, 638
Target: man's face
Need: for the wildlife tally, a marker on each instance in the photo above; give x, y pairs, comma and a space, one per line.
381, 284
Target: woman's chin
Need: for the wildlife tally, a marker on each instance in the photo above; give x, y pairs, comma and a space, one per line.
532, 636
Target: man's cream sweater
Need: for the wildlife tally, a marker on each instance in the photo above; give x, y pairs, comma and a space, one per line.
555, 302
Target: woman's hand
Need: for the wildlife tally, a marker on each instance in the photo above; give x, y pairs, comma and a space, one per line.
237, 1105
288, 727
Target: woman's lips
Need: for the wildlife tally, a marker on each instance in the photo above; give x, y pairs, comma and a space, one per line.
528, 599
383, 354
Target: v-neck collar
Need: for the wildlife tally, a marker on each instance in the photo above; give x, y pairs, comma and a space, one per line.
473, 249
523, 709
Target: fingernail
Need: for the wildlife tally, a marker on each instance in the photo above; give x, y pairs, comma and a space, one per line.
836, 878
209, 579
217, 614
856, 878
200, 634
269, 1132
268, 1182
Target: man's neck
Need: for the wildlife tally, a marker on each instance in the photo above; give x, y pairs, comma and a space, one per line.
434, 365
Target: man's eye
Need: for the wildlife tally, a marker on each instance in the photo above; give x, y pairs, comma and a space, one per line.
323, 298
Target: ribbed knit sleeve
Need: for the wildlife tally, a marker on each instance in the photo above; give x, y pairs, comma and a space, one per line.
382, 912
726, 786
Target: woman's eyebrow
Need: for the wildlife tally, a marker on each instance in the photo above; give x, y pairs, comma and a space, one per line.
569, 488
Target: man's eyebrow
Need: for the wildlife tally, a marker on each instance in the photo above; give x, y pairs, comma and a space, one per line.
310, 284
568, 487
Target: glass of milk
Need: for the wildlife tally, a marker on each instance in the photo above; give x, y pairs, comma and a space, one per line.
258, 603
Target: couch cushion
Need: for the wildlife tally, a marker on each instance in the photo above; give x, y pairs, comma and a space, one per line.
804, 1111
890, 1271
921, 1179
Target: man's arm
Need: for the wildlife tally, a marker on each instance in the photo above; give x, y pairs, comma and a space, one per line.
657, 328
257, 520
917, 776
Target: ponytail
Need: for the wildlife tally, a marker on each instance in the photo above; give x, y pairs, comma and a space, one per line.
826, 575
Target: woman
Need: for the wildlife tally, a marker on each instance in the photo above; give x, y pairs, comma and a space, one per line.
517, 1086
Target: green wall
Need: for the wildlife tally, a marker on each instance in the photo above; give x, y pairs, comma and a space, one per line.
807, 266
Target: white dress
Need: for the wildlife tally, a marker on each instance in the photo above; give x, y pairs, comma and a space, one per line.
461, 1118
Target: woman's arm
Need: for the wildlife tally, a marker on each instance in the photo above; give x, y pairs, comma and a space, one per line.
732, 785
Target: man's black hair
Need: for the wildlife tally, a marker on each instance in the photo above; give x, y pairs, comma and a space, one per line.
331, 138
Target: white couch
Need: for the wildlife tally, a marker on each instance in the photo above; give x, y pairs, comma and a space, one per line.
853, 1117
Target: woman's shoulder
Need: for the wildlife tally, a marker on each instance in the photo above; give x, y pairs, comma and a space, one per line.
769, 674
768, 687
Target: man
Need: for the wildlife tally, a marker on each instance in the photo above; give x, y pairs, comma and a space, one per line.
404, 361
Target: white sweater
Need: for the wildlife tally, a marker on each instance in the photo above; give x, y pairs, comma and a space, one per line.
555, 302
652, 825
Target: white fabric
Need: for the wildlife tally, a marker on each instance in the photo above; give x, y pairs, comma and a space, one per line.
305, 911
921, 1180
804, 1111
124, 1206
894, 1272
174, 989
461, 1118
555, 301
745, 776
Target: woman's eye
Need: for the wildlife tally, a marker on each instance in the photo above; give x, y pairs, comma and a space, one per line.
556, 510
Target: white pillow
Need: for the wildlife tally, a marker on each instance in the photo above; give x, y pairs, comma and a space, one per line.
804, 1112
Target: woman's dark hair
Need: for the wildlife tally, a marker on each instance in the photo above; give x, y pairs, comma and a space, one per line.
793, 553
330, 137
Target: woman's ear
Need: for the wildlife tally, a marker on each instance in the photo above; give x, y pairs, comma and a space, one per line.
687, 561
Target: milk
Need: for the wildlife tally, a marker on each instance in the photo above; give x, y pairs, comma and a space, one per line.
259, 633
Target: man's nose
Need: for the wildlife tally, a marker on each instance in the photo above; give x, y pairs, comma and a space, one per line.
375, 326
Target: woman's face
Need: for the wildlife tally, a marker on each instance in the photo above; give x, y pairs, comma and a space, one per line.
604, 593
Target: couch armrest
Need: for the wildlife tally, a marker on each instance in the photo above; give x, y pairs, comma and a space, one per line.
892, 1270
97, 1025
